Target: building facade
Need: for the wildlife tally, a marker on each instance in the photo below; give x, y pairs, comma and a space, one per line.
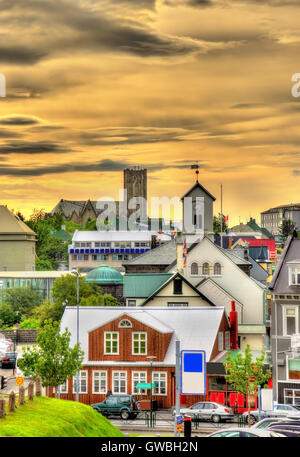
285, 328
273, 217
17, 243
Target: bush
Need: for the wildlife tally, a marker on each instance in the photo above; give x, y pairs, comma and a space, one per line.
7, 316
30, 323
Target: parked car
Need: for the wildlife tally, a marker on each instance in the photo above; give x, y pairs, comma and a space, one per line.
124, 405
279, 410
264, 423
210, 411
288, 427
245, 433
8, 359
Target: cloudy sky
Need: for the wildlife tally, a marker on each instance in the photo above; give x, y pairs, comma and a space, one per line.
93, 86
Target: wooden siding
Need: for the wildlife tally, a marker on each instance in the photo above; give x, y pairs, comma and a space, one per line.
157, 343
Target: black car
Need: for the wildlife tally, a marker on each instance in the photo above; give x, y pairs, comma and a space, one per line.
124, 405
8, 359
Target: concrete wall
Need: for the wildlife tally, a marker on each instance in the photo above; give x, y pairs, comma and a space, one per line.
17, 255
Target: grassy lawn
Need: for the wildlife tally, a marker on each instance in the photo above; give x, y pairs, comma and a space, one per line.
49, 417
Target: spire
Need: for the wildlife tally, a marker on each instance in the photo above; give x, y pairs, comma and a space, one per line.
196, 167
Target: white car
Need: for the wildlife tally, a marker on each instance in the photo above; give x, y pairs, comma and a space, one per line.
245, 432
208, 410
279, 410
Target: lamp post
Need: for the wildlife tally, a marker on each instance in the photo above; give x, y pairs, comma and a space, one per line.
151, 358
76, 272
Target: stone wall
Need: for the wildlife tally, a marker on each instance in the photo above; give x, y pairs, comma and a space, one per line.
20, 335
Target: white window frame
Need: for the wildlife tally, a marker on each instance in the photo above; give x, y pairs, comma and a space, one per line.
295, 269
81, 378
105, 340
131, 300
284, 318
63, 388
100, 373
220, 341
293, 389
139, 341
114, 373
141, 374
125, 321
198, 267
160, 373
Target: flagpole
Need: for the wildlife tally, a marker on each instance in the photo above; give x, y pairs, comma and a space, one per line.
221, 216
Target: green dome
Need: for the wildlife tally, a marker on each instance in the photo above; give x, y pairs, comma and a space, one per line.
104, 275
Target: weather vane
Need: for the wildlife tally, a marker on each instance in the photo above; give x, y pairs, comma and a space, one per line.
195, 166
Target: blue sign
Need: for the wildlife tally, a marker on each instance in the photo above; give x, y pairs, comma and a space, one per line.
193, 372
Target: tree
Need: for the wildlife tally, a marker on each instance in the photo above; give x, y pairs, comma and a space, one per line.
217, 224
53, 359
64, 288
244, 374
22, 299
7, 316
286, 228
48, 310
43, 265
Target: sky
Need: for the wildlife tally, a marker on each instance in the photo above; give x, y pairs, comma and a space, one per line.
95, 86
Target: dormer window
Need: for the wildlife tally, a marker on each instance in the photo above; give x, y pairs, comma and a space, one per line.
294, 274
125, 323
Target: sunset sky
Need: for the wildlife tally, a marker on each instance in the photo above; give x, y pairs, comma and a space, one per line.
94, 86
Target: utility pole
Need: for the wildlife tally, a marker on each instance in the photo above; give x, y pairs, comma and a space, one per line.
178, 385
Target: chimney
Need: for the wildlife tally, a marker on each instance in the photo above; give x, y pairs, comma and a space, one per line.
230, 242
246, 253
153, 242
233, 317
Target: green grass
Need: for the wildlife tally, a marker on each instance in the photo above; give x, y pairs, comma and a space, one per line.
50, 417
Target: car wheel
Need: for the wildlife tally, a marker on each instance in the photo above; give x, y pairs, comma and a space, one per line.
138, 405
215, 418
124, 414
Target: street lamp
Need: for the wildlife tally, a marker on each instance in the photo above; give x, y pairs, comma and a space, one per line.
76, 272
151, 358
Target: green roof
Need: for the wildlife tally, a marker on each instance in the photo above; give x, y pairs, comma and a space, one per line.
257, 228
104, 275
62, 235
142, 285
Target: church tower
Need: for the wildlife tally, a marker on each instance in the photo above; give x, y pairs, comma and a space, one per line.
197, 212
135, 184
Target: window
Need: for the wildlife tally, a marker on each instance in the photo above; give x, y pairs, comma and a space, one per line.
96, 257
227, 340
131, 302
86, 257
290, 320
64, 387
194, 268
217, 269
82, 382
139, 343
177, 286
220, 341
119, 383
125, 323
99, 382
294, 276
292, 396
111, 342
205, 269
160, 378
294, 369
137, 377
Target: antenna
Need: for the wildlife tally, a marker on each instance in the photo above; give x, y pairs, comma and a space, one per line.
196, 167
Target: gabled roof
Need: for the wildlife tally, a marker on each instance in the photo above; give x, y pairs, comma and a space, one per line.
10, 224
173, 276
257, 271
198, 185
142, 285
196, 328
280, 280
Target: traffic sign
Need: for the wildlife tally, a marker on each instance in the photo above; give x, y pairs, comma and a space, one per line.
19, 381
179, 423
193, 372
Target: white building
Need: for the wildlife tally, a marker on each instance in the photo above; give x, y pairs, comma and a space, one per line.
89, 249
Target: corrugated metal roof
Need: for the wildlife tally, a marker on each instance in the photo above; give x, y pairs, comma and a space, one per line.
143, 285
116, 235
196, 328
165, 254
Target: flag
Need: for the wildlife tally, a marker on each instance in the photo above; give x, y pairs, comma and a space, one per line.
225, 218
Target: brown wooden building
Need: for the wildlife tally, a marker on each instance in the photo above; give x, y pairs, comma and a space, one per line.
118, 342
